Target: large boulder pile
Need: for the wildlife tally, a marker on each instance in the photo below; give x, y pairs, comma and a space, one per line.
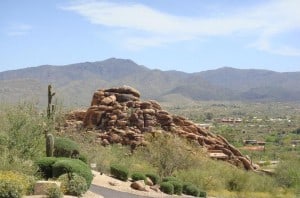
119, 116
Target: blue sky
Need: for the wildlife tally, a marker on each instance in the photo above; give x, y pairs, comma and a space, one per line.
186, 35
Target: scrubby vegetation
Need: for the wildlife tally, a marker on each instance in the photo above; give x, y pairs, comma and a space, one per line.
154, 178
138, 176
73, 184
119, 172
22, 151
167, 187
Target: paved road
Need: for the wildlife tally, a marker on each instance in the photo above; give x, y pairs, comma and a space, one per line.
109, 193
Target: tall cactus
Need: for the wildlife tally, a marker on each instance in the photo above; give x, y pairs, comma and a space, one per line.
50, 108
49, 136
49, 145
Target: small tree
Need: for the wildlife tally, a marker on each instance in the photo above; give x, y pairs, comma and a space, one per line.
169, 153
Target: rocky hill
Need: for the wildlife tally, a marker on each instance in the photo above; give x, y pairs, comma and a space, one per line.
118, 115
82, 79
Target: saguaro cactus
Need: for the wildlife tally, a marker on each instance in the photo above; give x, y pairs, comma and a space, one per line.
49, 137
50, 108
49, 145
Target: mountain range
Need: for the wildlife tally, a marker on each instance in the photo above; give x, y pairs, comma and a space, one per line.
74, 84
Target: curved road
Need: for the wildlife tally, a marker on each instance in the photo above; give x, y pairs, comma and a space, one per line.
109, 193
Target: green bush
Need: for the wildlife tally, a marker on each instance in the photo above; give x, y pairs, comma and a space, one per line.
10, 189
154, 178
25, 131
288, 173
14, 184
66, 165
202, 194
54, 192
177, 187
170, 178
138, 176
167, 187
64, 147
45, 166
192, 190
119, 172
184, 187
83, 158
73, 184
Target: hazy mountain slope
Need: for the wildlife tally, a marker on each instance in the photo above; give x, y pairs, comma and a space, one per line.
251, 84
76, 82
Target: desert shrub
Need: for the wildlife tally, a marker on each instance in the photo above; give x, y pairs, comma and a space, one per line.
73, 184
161, 154
138, 176
167, 187
45, 166
154, 178
177, 187
288, 173
184, 185
66, 165
64, 147
202, 194
23, 131
54, 192
170, 178
14, 184
192, 190
119, 172
83, 158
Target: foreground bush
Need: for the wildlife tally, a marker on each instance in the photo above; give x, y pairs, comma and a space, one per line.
45, 166
73, 184
177, 187
54, 192
66, 165
288, 174
119, 172
64, 147
202, 194
138, 176
154, 178
14, 184
192, 190
167, 187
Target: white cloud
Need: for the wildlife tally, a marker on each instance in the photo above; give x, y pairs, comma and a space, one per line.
264, 22
18, 30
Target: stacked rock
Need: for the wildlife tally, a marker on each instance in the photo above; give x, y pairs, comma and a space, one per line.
119, 116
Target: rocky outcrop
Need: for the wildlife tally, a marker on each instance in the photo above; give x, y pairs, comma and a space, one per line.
119, 116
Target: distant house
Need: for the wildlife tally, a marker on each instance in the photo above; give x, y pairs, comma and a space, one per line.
295, 142
253, 145
229, 120
254, 142
253, 148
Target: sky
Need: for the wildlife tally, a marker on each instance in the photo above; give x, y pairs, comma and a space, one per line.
183, 35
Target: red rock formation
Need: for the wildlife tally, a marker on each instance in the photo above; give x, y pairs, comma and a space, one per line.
120, 116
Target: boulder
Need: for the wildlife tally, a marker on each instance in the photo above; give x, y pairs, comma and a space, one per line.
41, 187
138, 185
148, 181
125, 90
108, 100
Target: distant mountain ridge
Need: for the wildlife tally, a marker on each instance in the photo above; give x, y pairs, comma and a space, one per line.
82, 79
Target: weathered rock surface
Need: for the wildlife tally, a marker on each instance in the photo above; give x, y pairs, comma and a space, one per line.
138, 185
41, 187
119, 116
